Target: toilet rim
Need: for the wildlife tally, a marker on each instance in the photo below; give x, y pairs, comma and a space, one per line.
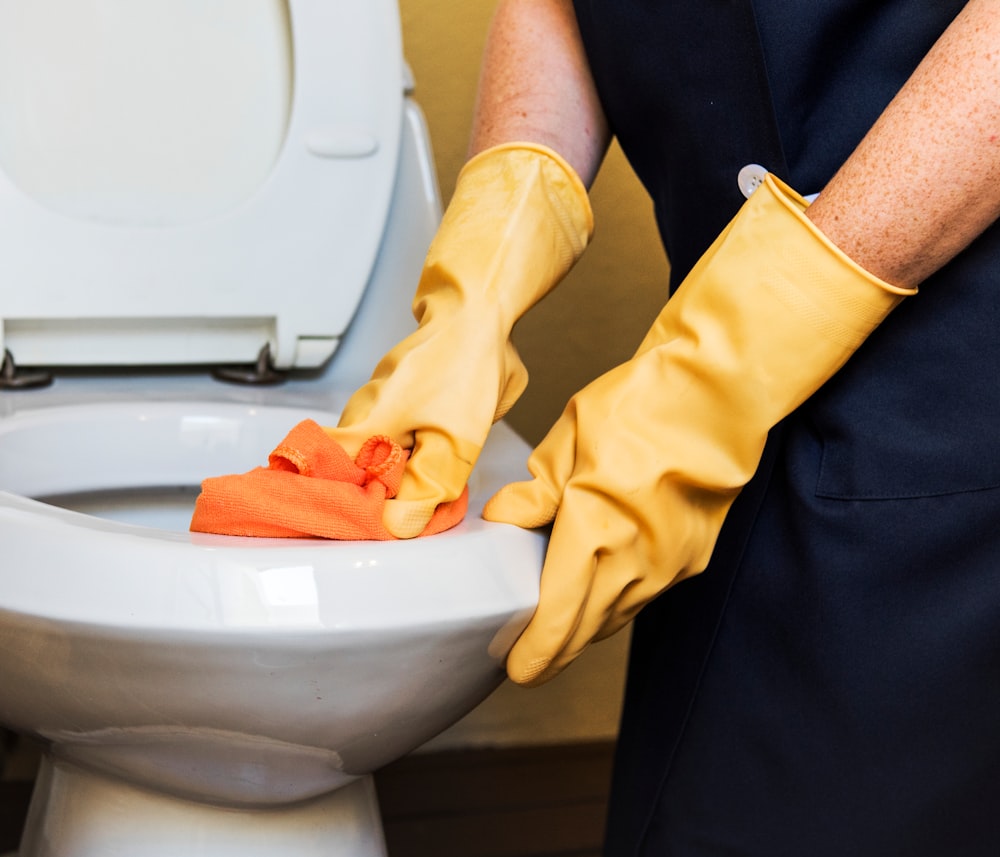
156, 578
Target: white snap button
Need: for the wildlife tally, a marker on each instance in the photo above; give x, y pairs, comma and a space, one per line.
750, 178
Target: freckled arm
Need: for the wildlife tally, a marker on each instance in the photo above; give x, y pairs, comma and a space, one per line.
925, 181
536, 86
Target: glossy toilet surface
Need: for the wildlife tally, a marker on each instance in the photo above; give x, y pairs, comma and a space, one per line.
303, 651
202, 694
211, 695
161, 204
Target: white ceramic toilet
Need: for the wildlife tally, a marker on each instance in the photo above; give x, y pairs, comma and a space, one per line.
184, 185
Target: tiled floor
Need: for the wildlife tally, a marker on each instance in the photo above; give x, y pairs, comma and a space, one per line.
523, 802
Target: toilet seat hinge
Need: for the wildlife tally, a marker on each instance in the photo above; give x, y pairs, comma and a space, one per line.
12, 378
262, 372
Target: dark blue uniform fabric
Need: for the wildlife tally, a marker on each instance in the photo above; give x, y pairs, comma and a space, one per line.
831, 684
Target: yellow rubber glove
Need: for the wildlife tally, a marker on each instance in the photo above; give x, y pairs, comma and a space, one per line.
518, 221
642, 467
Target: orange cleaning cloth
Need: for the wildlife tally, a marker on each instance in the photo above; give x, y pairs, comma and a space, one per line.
311, 488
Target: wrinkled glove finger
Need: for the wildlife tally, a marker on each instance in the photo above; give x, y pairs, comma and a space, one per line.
534, 503
525, 504
563, 599
437, 472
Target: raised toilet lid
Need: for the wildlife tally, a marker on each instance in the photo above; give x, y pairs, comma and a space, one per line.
283, 260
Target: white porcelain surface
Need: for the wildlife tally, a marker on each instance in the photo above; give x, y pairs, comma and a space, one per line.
204, 695
241, 670
286, 265
157, 113
85, 814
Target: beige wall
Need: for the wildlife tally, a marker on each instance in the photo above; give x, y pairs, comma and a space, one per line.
593, 321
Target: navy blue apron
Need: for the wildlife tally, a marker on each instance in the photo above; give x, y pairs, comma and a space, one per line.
830, 686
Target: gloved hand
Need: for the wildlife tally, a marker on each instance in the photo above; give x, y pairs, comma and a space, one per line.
518, 221
642, 467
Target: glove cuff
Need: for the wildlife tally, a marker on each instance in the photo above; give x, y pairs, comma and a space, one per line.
565, 189
841, 298
517, 222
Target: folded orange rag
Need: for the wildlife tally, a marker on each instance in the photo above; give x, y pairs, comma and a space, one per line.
311, 488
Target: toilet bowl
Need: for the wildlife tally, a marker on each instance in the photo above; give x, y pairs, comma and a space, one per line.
209, 695
189, 686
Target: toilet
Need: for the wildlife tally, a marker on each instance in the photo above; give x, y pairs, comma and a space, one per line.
213, 217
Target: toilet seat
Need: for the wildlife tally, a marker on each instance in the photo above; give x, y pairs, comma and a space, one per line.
287, 268
174, 579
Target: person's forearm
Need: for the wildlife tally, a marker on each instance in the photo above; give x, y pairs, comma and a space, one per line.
536, 86
925, 181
